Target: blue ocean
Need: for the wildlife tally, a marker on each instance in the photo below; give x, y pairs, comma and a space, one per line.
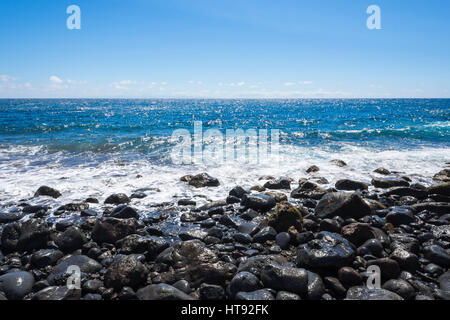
89, 147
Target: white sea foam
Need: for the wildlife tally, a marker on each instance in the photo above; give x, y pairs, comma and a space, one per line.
20, 178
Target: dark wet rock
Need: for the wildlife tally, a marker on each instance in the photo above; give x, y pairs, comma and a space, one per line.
438, 255
328, 250
212, 205
278, 196
192, 234
382, 171
57, 293
342, 204
61, 271
161, 292
316, 287
138, 195
232, 200
266, 234
47, 191
91, 200
308, 190
278, 184
117, 198
92, 296
8, 217
238, 192
111, 230
70, 240
400, 216
257, 263
258, 202
406, 260
244, 282
124, 212
444, 281
35, 209
27, 236
284, 278
436, 207
186, 202
283, 239
262, 294
196, 263
74, 207
443, 175
335, 286
243, 238
400, 287
125, 271
434, 270
312, 169
92, 286
407, 191
364, 293
134, 243
358, 233
287, 215
404, 241
387, 183
339, 163
349, 185
389, 268
88, 213
372, 247
183, 285
203, 180
16, 285
331, 225
284, 295
320, 180
211, 292
45, 257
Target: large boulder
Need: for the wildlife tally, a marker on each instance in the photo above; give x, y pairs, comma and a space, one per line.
124, 212
47, 191
358, 233
60, 273
194, 262
27, 236
117, 198
285, 279
442, 189
45, 257
328, 250
443, 175
407, 191
258, 202
70, 240
386, 183
342, 204
134, 243
111, 230
350, 185
281, 183
16, 285
307, 190
202, 180
125, 271
287, 215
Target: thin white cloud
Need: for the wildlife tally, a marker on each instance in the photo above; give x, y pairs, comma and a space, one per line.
56, 80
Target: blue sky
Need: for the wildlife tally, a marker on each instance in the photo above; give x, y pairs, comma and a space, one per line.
224, 49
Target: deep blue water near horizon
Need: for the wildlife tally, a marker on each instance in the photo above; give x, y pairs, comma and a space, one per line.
135, 125
92, 147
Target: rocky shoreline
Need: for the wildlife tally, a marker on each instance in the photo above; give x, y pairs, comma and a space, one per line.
281, 239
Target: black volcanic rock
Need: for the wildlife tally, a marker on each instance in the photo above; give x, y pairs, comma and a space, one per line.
342, 204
